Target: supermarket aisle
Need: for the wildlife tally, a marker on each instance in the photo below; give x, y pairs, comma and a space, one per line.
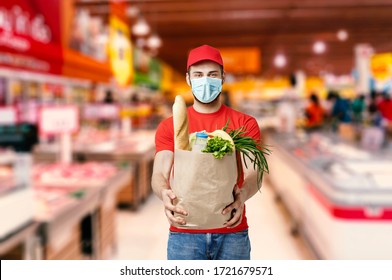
143, 234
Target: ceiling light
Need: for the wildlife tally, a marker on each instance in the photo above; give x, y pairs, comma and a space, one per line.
141, 27
319, 47
280, 61
154, 42
342, 35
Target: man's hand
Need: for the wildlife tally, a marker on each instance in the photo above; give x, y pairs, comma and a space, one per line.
167, 198
160, 184
236, 208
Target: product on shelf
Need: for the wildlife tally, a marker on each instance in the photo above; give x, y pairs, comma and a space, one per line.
6, 178
48, 201
89, 174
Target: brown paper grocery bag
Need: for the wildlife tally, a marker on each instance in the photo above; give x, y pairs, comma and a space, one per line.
204, 187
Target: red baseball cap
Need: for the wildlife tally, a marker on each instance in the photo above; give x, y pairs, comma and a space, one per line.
204, 52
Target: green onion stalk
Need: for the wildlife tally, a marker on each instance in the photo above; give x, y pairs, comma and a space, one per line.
251, 149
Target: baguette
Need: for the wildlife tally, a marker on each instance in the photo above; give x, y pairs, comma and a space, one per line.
180, 124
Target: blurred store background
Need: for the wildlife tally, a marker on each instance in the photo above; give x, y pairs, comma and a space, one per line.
84, 84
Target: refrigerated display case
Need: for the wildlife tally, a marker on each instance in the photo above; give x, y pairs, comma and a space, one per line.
18, 226
76, 209
339, 196
138, 149
63, 211
14, 192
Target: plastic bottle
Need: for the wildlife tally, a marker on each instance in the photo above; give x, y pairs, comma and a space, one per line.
200, 142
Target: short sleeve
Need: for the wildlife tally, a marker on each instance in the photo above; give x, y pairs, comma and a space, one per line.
164, 136
252, 129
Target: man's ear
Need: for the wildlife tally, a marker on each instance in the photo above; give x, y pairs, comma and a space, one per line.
188, 81
223, 77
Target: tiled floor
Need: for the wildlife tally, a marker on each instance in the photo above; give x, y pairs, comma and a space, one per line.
142, 234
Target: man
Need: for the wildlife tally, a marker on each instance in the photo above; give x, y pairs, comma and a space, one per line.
385, 108
205, 76
340, 107
358, 107
314, 112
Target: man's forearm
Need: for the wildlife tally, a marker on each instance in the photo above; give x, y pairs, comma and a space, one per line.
249, 187
161, 172
158, 184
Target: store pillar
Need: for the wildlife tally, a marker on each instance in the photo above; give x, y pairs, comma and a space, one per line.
363, 53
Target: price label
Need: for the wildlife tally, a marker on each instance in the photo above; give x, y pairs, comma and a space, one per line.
8, 115
28, 112
59, 120
90, 112
101, 111
109, 112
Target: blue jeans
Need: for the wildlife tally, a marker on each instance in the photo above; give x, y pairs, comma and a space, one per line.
208, 246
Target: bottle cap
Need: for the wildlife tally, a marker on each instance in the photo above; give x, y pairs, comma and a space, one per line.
201, 135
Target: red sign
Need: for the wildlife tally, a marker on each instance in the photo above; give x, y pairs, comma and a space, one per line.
118, 8
30, 36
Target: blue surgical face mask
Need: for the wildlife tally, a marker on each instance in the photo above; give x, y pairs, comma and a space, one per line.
206, 89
